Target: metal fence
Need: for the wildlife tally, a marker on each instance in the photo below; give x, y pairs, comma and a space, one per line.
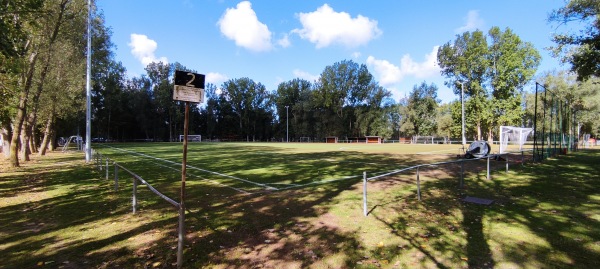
103, 164
416, 168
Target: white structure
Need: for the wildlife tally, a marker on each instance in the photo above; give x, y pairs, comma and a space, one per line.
514, 135
191, 138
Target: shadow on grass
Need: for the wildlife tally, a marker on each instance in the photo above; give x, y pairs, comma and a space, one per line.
72, 219
545, 215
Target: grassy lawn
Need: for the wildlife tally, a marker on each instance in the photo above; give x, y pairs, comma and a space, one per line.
58, 212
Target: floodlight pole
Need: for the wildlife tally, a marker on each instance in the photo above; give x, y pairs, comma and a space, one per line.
88, 114
287, 125
462, 107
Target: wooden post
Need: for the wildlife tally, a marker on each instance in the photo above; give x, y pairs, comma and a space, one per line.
181, 233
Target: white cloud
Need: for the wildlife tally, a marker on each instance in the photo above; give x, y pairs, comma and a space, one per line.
242, 25
216, 78
356, 55
472, 22
390, 74
325, 27
284, 42
143, 49
305, 75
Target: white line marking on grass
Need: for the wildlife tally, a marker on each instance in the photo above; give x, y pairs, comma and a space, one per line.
196, 168
202, 178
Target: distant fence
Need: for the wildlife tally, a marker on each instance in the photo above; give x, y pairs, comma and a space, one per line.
103, 164
497, 157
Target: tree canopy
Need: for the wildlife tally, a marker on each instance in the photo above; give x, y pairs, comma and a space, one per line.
581, 49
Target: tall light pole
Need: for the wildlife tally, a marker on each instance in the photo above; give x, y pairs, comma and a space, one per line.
88, 115
287, 126
462, 107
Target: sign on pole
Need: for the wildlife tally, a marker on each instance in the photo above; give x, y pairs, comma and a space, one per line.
189, 87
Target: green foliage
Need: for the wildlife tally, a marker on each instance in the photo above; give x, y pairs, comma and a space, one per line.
445, 121
492, 75
581, 49
420, 111
583, 98
250, 102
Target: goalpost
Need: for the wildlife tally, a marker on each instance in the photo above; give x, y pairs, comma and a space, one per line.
304, 139
514, 135
191, 138
422, 139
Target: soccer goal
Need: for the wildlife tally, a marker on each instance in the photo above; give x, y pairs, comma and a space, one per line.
191, 138
513, 135
420, 139
304, 139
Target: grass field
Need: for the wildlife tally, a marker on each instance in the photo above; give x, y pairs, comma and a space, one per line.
282, 205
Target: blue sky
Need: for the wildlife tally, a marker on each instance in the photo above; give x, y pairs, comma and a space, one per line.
276, 41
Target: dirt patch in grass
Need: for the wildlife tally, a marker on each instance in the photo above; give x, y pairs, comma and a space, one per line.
58, 212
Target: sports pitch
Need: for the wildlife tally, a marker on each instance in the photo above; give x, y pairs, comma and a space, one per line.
253, 168
279, 205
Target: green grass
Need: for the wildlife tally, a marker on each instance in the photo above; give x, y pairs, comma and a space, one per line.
57, 212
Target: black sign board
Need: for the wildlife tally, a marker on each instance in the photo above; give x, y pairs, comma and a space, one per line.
189, 79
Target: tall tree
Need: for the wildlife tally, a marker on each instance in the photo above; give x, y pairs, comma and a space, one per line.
466, 62
44, 39
513, 64
162, 91
420, 112
250, 101
581, 49
493, 76
293, 95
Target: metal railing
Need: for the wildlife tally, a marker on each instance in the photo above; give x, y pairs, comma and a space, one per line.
103, 163
418, 179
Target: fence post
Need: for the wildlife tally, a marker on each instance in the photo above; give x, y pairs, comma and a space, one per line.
418, 185
522, 158
180, 235
365, 193
106, 168
134, 198
116, 177
488, 167
462, 173
506, 163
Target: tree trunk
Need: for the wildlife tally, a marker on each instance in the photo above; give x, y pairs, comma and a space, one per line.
5, 133
47, 134
27, 82
25, 142
21, 111
490, 137
52, 143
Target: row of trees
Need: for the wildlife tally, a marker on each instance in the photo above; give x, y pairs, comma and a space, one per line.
346, 101
42, 55
42, 83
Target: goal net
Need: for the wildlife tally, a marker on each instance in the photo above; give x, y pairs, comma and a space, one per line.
513, 135
304, 139
191, 138
420, 139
